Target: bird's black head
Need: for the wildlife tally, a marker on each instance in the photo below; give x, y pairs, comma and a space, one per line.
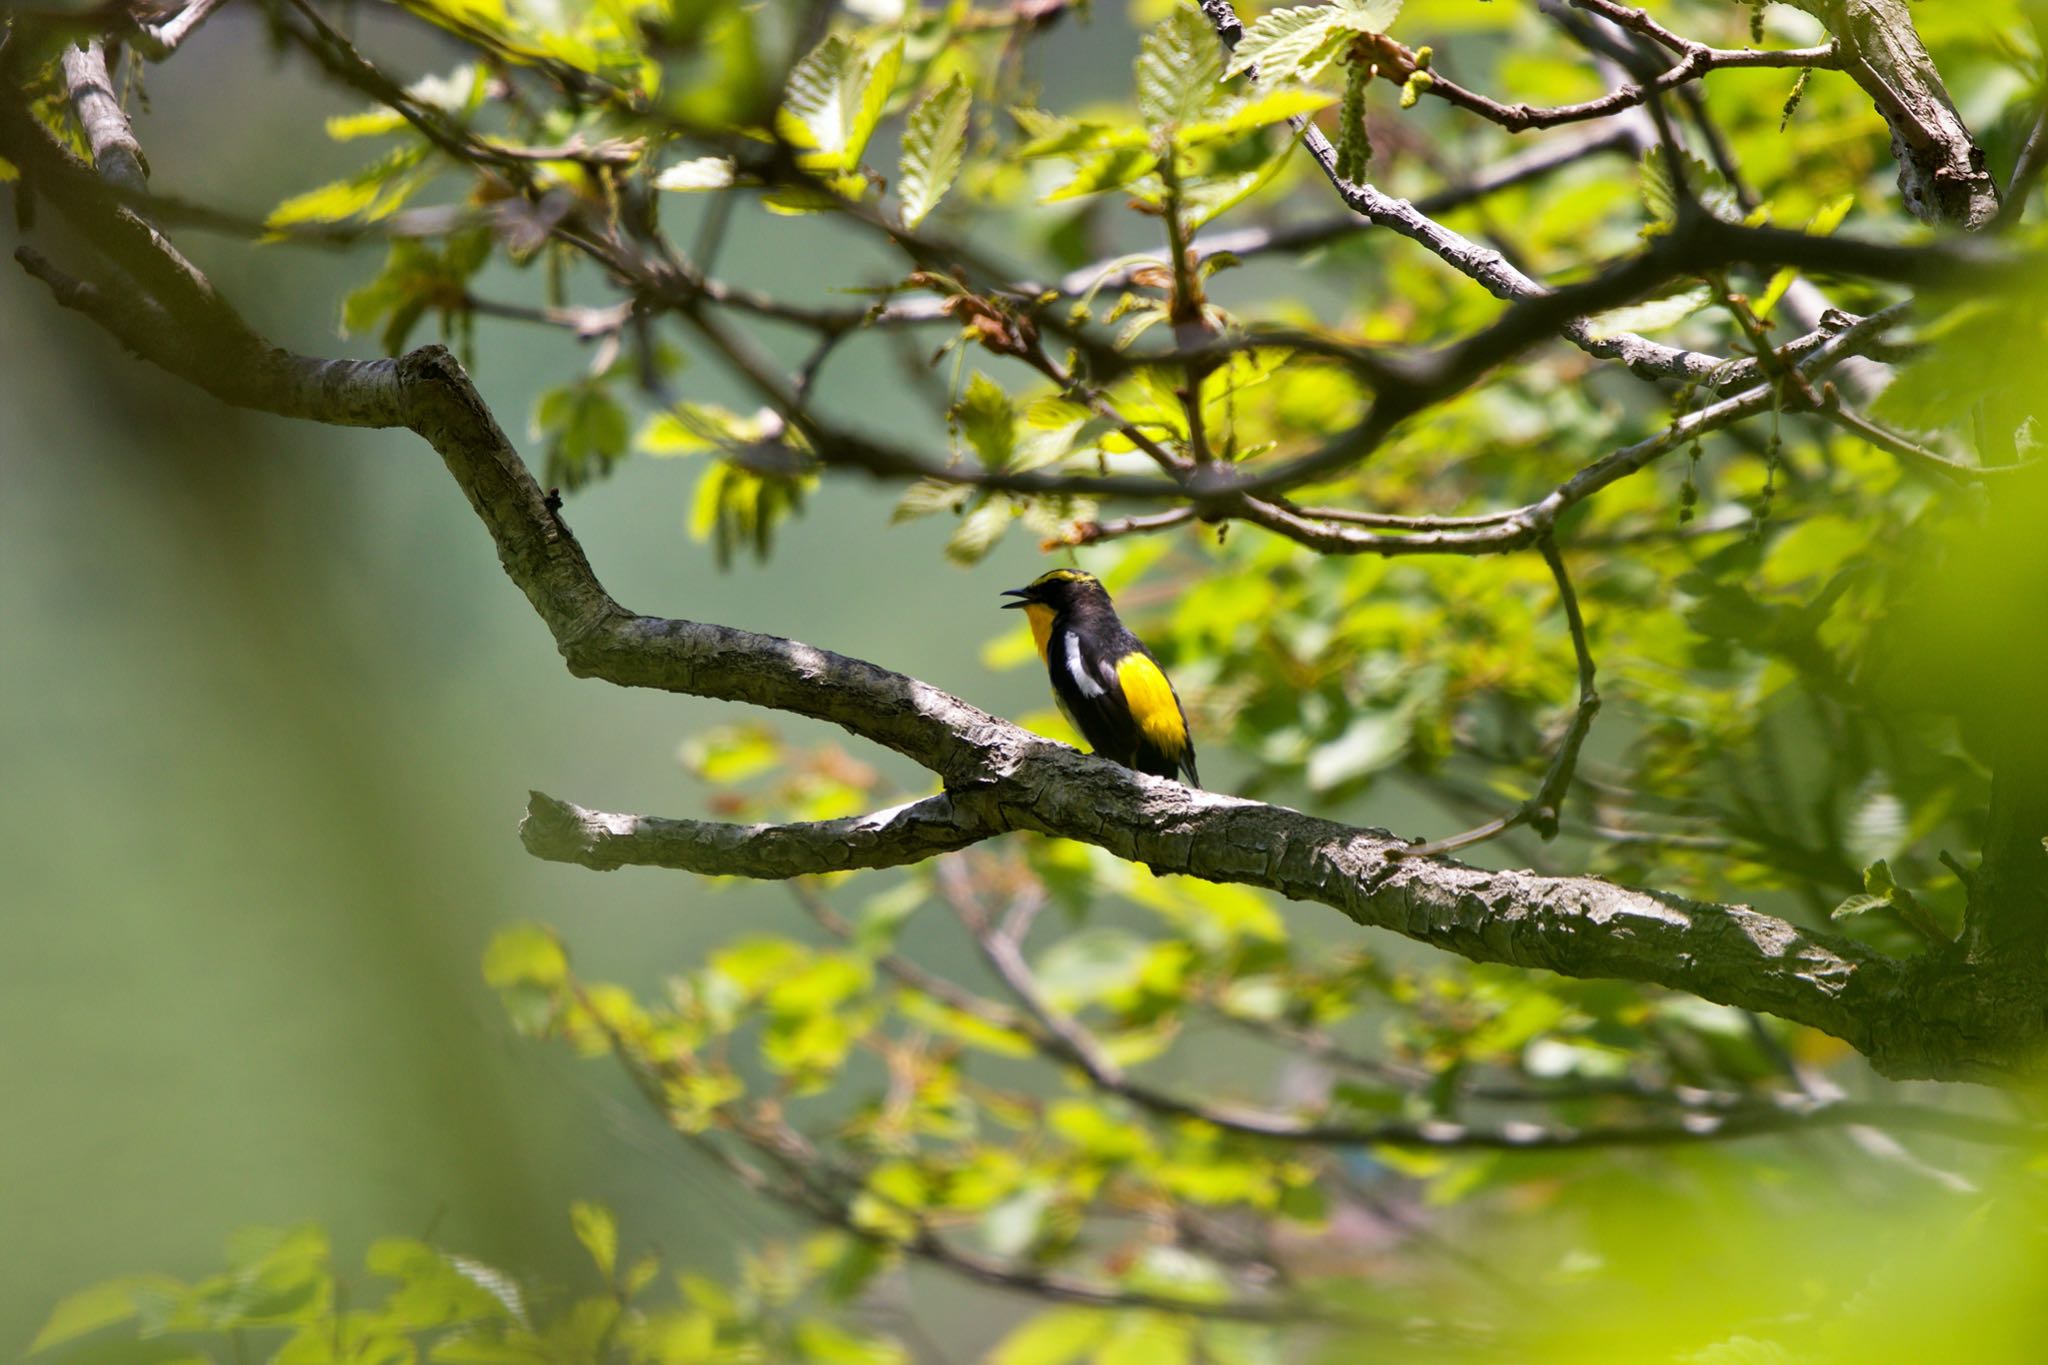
1058, 591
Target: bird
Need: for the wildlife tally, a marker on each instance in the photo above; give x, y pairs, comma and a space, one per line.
1105, 681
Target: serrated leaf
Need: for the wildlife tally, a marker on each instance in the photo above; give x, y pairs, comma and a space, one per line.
1179, 66
1292, 44
835, 98
988, 420
1295, 44
1858, 904
1373, 16
934, 145
698, 173
1703, 182
979, 531
1054, 414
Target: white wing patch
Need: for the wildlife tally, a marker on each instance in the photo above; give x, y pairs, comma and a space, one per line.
1078, 671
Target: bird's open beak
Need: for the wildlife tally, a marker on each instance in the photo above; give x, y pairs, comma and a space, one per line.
1024, 593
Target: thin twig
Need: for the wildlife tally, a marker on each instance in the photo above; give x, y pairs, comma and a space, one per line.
1540, 811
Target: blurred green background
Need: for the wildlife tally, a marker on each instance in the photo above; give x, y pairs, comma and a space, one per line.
271, 711
268, 714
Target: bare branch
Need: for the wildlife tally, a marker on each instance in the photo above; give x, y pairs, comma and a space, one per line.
158, 41
115, 152
562, 833
1397, 64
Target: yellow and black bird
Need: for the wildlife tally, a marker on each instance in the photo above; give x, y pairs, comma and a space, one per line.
1105, 681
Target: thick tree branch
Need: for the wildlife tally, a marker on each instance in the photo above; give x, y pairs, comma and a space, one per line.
1068, 1039
1941, 168
999, 777
114, 149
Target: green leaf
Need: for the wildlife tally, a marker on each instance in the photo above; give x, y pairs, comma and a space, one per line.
737, 506
979, 530
1860, 903
586, 430
988, 420
1296, 44
1293, 44
821, 1343
369, 123
525, 954
1180, 64
1371, 742
835, 99
438, 1290
374, 192
1090, 965
1109, 171
1054, 1338
934, 145
1273, 106
1056, 135
1653, 315
925, 498
731, 753
1703, 182
599, 1233
967, 1028
88, 1310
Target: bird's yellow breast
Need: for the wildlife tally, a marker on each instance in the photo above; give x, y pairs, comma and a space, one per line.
1040, 616
1150, 697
